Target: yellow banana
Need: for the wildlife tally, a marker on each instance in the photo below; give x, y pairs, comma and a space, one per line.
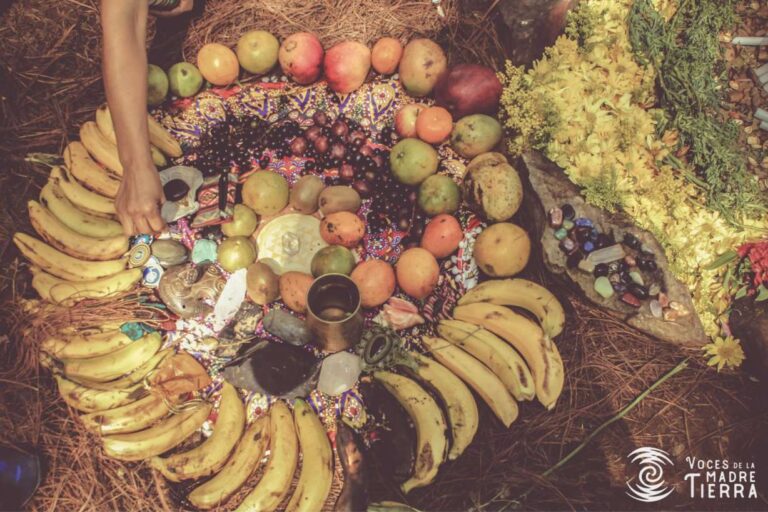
90, 400
131, 417
477, 375
83, 346
53, 198
159, 137
283, 459
459, 403
69, 292
493, 352
132, 378
244, 460
89, 173
115, 364
76, 245
158, 158
157, 439
42, 282
207, 458
84, 199
538, 350
523, 294
316, 475
431, 443
101, 148
62, 265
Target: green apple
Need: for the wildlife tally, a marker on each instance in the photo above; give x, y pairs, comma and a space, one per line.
185, 79
243, 223
257, 51
412, 161
236, 252
157, 85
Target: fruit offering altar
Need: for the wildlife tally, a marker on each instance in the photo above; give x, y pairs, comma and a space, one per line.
338, 272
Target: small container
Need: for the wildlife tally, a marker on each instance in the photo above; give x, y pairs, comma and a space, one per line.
333, 312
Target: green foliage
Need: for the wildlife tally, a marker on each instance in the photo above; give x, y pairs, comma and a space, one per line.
602, 191
582, 23
690, 72
525, 126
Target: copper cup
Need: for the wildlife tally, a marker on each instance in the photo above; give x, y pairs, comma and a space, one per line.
333, 312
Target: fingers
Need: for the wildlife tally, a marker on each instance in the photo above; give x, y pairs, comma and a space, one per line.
142, 226
156, 222
127, 223
141, 223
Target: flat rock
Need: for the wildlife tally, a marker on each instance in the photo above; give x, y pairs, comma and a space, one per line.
550, 188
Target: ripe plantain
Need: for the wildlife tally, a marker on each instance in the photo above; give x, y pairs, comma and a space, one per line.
84, 199
523, 294
63, 265
538, 350
243, 462
53, 231
157, 439
84, 346
89, 173
158, 136
477, 375
493, 352
132, 378
53, 198
115, 364
431, 443
131, 417
90, 400
101, 148
316, 475
283, 459
207, 458
60, 291
459, 403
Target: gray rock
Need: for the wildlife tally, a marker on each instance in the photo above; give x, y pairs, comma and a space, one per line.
169, 252
550, 188
339, 373
287, 327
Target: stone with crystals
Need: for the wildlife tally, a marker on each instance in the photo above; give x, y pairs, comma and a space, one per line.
169, 252
339, 373
556, 217
656, 309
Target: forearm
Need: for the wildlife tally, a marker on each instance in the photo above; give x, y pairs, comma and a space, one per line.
124, 66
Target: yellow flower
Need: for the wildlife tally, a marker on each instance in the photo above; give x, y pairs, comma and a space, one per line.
724, 352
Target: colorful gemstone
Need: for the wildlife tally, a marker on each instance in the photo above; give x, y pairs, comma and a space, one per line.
630, 299
556, 217
603, 287
569, 212
561, 233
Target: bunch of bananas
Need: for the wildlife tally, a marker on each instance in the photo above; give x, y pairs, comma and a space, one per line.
502, 355
80, 254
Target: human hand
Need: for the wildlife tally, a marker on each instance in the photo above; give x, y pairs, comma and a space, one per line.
184, 6
138, 201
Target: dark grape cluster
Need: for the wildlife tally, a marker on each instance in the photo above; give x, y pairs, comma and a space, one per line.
232, 144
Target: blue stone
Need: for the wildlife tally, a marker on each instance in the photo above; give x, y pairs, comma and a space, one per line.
588, 246
583, 222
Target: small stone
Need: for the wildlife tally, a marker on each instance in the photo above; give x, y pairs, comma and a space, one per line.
646, 264
588, 246
670, 315
204, 250
581, 233
654, 289
619, 287
613, 267
630, 299
632, 241
630, 260
637, 277
561, 233
615, 278
656, 309
603, 287
638, 290
169, 252
681, 310
573, 259
584, 222
339, 373
568, 224
607, 254
647, 251
601, 269
175, 189
287, 327
556, 217
586, 266
569, 212
568, 245
603, 240
664, 300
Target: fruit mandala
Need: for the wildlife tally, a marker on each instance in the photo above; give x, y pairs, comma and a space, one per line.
205, 372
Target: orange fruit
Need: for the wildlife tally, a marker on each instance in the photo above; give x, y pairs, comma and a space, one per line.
417, 272
385, 55
218, 64
376, 281
434, 125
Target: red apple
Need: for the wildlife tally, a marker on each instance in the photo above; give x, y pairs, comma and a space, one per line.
468, 89
301, 57
346, 66
405, 119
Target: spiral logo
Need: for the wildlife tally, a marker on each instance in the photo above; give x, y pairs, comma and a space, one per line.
650, 485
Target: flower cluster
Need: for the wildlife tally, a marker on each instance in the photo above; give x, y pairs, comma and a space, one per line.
757, 255
588, 105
